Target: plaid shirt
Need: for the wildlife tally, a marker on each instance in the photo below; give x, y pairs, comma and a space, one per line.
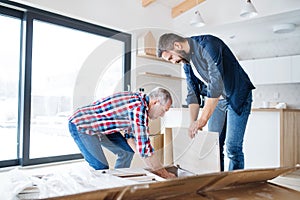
125, 111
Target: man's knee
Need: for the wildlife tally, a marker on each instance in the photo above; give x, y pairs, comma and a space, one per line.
128, 154
234, 151
97, 165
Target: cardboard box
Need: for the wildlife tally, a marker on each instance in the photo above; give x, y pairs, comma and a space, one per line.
239, 184
157, 141
200, 155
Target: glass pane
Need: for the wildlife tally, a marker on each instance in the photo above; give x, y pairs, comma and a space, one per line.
66, 68
111, 77
9, 81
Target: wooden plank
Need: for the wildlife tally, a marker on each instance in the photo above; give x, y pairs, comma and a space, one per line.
247, 184
147, 2
184, 6
157, 142
168, 147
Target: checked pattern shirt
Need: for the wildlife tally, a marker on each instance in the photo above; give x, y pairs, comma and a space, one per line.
124, 111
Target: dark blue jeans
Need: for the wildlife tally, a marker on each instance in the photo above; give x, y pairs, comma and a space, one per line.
91, 148
231, 128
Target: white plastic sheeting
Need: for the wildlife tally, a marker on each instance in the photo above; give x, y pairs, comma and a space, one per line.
70, 181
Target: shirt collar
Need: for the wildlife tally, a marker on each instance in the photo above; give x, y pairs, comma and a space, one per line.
191, 44
147, 99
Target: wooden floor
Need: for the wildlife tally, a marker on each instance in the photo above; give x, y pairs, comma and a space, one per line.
291, 180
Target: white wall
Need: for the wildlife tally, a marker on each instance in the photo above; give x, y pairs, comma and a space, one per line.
159, 67
288, 93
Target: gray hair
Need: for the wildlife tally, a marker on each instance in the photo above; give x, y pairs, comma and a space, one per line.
161, 94
166, 42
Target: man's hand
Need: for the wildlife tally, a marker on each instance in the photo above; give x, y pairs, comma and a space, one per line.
208, 109
154, 164
164, 173
195, 126
193, 129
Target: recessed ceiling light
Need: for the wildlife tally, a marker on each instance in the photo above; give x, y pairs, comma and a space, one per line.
283, 28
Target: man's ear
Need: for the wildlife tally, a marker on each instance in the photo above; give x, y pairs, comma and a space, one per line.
153, 102
177, 46
156, 101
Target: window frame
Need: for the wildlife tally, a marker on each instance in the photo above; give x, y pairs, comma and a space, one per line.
27, 15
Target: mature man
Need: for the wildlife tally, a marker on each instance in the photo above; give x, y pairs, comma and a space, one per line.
100, 123
213, 71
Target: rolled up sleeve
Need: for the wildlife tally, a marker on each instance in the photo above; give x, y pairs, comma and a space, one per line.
193, 90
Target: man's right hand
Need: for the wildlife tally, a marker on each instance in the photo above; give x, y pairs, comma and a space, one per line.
194, 128
154, 164
164, 173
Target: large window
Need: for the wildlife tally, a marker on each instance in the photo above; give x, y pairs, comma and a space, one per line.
58, 53
10, 29
66, 64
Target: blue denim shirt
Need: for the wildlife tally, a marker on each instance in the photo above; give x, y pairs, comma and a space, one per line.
219, 68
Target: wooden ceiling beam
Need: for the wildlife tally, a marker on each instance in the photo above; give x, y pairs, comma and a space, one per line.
147, 2
184, 6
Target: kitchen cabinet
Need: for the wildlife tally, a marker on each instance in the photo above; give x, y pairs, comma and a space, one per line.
272, 138
295, 69
262, 140
249, 68
269, 70
273, 70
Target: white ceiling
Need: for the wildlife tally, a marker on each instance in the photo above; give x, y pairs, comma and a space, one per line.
252, 38
258, 29
257, 34
241, 33
261, 25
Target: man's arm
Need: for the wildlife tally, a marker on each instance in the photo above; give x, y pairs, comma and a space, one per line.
207, 111
132, 144
194, 111
143, 145
152, 162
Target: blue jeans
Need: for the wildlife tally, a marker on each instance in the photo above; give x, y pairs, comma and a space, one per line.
231, 128
91, 148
